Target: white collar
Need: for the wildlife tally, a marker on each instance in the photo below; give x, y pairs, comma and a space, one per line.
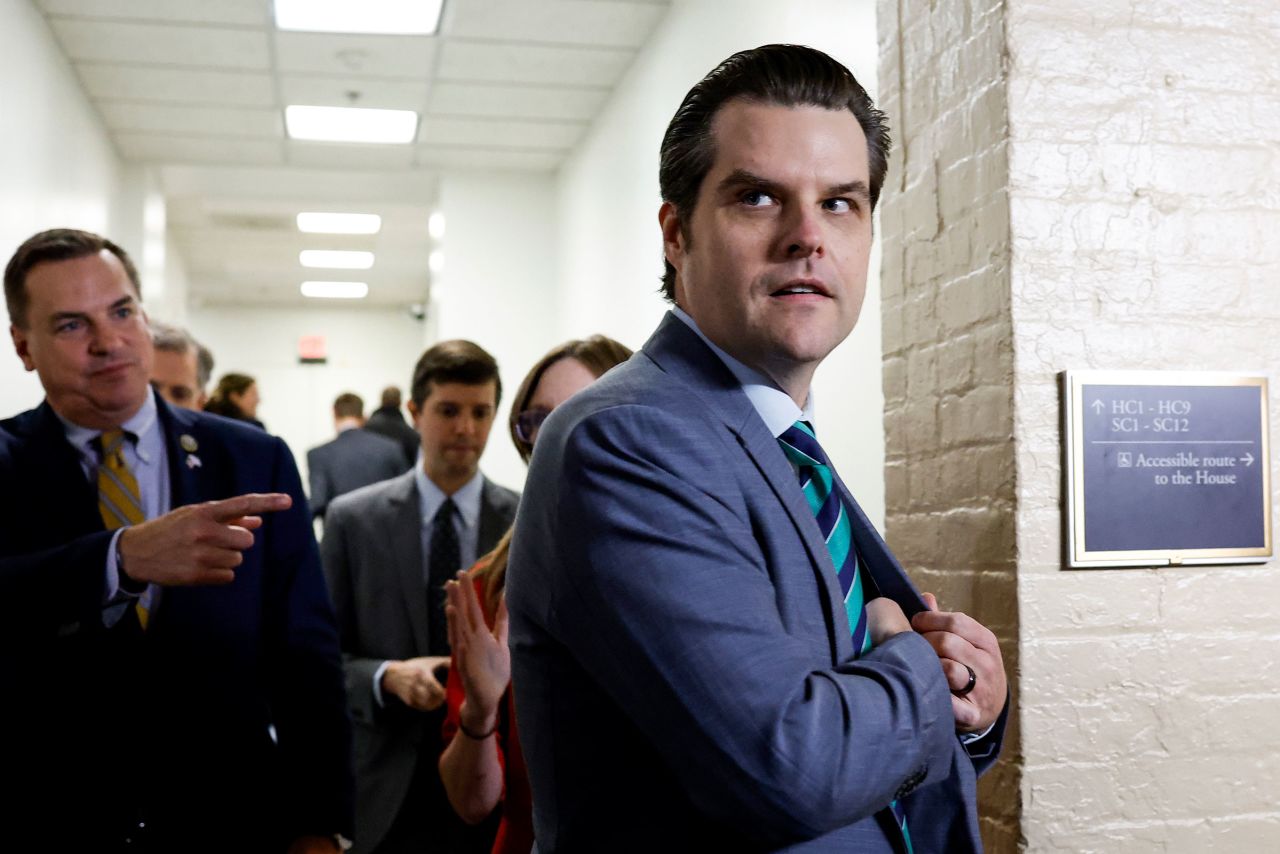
466, 498
138, 425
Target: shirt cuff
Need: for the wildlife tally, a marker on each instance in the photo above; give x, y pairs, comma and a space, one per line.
111, 590
971, 737
377, 684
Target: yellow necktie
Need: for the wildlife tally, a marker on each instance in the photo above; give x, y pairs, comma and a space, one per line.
119, 501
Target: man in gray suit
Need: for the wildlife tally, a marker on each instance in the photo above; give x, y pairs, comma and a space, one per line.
356, 458
388, 550
710, 643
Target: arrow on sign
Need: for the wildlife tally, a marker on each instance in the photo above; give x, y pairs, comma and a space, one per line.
1098, 407
1248, 459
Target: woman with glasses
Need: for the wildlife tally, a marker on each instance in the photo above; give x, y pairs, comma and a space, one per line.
482, 764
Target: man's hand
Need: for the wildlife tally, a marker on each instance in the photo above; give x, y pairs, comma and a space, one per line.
414, 682
315, 845
481, 656
196, 544
885, 619
961, 642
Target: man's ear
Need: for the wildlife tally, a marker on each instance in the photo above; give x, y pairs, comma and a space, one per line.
21, 346
673, 242
413, 411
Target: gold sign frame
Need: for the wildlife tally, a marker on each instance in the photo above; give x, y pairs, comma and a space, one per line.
1076, 555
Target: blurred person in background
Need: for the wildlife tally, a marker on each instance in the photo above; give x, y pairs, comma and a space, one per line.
176, 372
236, 397
356, 458
482, 765
387, 420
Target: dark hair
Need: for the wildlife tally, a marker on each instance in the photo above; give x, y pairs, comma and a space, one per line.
783, 75
348, 405
204, 365
391, 396
456, 361
220, 402
597, 354
56, 244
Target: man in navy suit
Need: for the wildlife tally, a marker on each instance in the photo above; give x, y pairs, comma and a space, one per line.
171, 663
356, 458
712, 648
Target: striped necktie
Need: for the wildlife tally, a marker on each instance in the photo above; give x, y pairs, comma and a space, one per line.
119, 500
818, 484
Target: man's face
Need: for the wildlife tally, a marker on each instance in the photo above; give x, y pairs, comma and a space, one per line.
175, 376
87, 338
453, 423
773, 262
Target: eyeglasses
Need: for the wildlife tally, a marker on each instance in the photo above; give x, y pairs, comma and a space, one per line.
528, 422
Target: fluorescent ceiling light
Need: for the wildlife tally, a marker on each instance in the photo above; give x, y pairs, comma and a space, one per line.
350, 124
402, 17
435, 225
339, 223
335, 290
435, 261
336, 259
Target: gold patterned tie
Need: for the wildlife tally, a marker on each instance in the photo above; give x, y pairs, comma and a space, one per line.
119, 501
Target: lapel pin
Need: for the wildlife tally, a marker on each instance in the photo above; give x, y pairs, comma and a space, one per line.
188, 442
193, 462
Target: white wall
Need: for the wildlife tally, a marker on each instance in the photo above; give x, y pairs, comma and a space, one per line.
609, 248
57, 167
497, 285
368, 349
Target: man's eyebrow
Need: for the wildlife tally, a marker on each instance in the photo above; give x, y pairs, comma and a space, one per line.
852, 188
744, 178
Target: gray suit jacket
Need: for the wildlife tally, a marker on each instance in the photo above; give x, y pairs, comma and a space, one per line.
353, 459
376, 571
682, 662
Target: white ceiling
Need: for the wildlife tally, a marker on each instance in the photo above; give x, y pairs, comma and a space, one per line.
199, 87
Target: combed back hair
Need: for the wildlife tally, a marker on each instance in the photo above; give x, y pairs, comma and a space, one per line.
348, 405
781, 75
56, 244
171, 339
455, 361
391, 396
597, 354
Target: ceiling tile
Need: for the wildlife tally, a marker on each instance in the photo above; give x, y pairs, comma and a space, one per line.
481, 158
162, 44
534, 102
244, 12
555, 21
177, 86
447, 130
374, 56
348, 156
529, 64
167, 118
197, 149
321, 91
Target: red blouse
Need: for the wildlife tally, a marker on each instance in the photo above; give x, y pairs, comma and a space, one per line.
515, 832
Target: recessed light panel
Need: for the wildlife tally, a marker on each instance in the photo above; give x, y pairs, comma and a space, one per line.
339, 223
336, 259
350, 124
400, 17
335, 290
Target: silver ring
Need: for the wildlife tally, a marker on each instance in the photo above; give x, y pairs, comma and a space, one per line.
973, 680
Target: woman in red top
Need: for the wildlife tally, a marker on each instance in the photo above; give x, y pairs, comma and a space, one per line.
485, 766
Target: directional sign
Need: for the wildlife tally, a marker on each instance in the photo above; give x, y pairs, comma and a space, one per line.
1166, 467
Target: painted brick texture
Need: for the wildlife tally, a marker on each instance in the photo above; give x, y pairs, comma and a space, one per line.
947, 333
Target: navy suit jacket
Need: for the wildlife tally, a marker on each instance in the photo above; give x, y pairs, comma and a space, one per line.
682, 662
224, 725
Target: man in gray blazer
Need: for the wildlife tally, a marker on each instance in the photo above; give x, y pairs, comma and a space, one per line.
356, 457
711, 645
388, 549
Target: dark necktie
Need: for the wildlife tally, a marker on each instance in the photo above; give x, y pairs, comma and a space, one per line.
817, 481
442, 565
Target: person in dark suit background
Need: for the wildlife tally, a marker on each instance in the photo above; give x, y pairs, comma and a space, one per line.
356, 458
712, 648
170, 651
388, 551
388, 421
181, 368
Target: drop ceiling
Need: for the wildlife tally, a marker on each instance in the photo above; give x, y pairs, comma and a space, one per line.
198, 88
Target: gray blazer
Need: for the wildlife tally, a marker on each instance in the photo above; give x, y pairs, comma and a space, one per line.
682, 662
353, 459
376, 571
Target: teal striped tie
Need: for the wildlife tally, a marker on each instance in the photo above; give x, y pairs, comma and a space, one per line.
818, 484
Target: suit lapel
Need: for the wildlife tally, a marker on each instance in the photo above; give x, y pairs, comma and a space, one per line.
884, 568
59, 464
404, 542
189, 483
492, 524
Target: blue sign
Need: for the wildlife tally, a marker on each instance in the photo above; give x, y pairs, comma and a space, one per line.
1167, 473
